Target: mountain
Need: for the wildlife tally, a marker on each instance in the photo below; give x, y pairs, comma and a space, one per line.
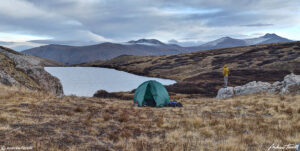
17, 69
224, 42
228, 42
201, 72
273, 38
143, 47
75, 55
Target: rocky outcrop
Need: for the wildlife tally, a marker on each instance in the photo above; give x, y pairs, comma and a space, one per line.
252, 87
225, 93
25, 70
289, 85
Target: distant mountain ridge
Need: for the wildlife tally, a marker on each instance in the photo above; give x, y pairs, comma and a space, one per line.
75, 55
142, 47
227, 42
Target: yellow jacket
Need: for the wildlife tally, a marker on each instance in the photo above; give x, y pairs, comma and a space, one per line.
225, 71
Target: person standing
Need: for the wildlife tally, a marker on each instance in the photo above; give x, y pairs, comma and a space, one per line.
225, 74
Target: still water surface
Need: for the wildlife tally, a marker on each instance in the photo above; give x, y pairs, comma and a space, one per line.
85, 81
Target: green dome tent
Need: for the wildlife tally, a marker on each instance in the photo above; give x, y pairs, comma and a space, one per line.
151, 93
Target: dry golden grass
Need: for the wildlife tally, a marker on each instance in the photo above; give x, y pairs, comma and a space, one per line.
46, 122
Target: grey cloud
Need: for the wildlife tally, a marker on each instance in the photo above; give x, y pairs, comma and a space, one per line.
122, 20
5, 43
258, 25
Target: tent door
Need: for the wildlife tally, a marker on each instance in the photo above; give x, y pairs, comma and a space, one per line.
148, 98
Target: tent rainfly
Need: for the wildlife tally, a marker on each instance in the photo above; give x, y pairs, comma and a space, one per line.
151, 93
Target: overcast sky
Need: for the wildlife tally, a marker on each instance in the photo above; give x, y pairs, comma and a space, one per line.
123, 20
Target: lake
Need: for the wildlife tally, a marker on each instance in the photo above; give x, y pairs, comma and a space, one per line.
85, 81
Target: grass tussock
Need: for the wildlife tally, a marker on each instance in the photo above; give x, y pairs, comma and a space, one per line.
46, 122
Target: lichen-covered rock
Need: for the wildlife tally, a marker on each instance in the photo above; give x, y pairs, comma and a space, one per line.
225, 93
276, 87
252, 87
25, 70
7, 79
290, 85
298, 147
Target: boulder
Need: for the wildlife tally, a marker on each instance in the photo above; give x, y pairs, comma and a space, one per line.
290, 85
225, 93
298, 147
276, 87
45, 80
252, 87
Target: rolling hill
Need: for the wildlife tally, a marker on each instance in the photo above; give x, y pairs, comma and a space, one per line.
201, 72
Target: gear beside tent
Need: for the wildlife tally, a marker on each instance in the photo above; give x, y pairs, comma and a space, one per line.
151, 93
